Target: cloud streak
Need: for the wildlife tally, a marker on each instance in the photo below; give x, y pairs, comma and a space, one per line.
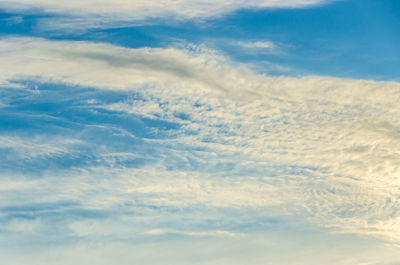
102, 13
151, 9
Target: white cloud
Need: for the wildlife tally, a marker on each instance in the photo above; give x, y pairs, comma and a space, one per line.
22, 226
139, 9
97, 13
26, 148
331, 143
261, 47
257, 250
216, 233
257, 45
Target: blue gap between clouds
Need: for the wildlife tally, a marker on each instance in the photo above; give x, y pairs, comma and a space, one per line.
50, 111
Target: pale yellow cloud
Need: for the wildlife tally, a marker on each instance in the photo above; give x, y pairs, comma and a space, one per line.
142, 9
332, 143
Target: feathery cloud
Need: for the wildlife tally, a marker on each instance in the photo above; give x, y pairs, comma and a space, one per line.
103, 13
320, 148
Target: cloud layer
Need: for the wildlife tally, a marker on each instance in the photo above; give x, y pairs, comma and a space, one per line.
138, 9
215, 136
79, 15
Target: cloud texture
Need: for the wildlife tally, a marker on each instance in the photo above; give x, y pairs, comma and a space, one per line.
150, 9
81, 15
321, 149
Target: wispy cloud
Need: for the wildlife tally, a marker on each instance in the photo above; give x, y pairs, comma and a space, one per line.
216, 233
14, 20
257, 45
28, 148
319, 148
100, 13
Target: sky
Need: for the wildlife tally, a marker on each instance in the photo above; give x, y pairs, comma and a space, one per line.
215, 132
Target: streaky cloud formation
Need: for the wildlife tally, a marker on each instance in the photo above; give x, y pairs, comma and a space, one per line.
228, 134
151, 8
79, 15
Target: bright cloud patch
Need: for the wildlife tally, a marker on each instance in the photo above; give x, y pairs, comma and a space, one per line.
257, 45
166, 131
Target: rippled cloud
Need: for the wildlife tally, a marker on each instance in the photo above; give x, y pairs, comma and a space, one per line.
164, 129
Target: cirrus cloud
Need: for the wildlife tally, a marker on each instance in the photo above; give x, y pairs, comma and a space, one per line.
320, 148
104, 13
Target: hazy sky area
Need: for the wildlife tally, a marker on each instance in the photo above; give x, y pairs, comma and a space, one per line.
199, 132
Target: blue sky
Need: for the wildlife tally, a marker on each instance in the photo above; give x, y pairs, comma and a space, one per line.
199, 132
